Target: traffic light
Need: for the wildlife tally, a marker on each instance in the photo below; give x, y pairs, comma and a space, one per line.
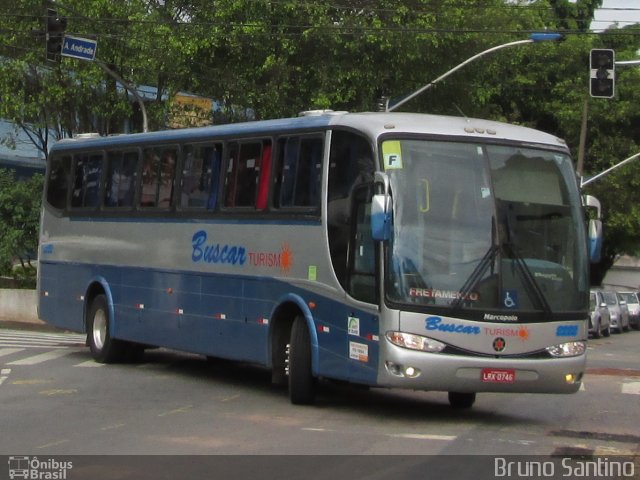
602, 63
55, 27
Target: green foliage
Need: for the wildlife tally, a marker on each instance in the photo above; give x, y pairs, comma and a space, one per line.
278, 58
20, 203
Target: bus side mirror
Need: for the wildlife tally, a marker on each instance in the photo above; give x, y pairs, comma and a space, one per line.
381, 209
381, 217
595, 240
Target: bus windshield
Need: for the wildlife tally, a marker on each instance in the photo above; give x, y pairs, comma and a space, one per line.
484, 227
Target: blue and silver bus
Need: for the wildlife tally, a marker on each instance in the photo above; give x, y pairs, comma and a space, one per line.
382, 249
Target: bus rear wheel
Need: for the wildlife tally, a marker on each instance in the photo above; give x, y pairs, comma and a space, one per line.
104, 349
461, 400
302, 384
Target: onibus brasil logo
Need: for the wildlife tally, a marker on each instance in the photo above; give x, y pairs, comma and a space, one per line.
38, 469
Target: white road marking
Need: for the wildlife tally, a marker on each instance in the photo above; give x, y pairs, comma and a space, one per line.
24, 339
9, 351
631, 387
4, 374
424, 436
43, 357
90, 363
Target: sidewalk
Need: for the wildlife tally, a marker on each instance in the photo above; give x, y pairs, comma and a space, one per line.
28, 324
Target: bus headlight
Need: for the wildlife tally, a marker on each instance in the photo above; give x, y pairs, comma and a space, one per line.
568, 349
415, 342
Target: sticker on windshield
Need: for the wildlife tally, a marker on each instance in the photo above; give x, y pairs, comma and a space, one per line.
392, 154
510, 299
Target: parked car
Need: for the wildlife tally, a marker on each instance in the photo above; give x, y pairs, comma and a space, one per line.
633, 304
599, 318
618, 310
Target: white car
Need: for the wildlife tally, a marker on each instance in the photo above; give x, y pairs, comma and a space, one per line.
618, 310
633, 304
599, 318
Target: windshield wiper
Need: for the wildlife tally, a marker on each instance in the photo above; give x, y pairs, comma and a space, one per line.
487, 260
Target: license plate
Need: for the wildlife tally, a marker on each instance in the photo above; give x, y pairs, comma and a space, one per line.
493, 375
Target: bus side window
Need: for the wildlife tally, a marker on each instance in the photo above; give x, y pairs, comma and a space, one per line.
149, 178
243, 171
87, 181
167, 177
311, 151
362, 257
158, 177
351, 164
58, 182
200, 176
263, 182
299, 172
121, 178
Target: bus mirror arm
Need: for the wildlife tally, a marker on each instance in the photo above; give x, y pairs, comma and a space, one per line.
381, 208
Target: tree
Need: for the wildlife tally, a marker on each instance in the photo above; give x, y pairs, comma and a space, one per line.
19, 220
275, 59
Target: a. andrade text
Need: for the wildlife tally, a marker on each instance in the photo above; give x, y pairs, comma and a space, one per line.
567, 467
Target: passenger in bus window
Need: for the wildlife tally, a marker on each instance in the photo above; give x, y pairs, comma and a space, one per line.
199, 196
149, 179
167, 172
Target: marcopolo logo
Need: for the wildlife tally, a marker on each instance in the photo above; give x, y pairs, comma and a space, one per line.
38, 469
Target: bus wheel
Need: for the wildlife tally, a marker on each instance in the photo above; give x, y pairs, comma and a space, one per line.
302, 385
461, 400
103, 348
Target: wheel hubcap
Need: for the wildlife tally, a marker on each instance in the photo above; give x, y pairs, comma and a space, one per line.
99, 329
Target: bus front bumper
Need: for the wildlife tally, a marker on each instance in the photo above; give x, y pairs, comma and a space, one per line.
403, 368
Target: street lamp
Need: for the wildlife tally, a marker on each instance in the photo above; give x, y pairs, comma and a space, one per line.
533, 38
584, 183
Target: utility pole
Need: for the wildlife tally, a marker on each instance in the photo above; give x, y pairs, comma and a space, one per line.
583, 137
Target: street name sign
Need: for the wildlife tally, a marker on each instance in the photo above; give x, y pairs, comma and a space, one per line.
77, 47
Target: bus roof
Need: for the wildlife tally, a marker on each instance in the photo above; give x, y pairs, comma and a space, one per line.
372, 123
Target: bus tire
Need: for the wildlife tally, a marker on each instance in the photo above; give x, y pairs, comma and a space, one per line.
104, 349
302, 385
460, 400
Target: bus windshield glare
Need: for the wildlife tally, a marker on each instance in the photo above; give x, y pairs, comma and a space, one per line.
484, 227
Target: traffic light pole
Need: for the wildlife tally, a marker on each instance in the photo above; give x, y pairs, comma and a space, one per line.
55, 26
130, 88
583, 132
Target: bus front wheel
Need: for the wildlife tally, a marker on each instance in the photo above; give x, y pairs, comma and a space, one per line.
302, 384
461, 400
103, 348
